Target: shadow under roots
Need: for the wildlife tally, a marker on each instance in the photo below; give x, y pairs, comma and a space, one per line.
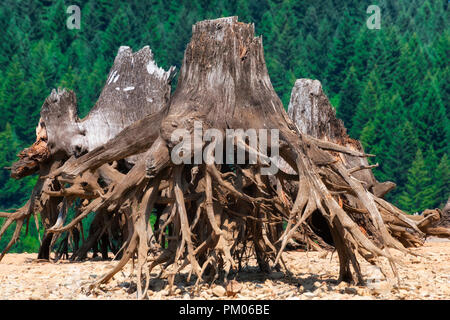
320, 227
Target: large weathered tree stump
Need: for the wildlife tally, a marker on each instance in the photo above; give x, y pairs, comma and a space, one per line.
136, 88
211, 215
313, 114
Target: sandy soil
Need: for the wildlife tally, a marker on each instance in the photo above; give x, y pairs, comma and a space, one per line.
313, 277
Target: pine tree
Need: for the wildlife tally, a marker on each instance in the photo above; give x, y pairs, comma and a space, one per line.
429, 118
268, 31
27, 111
385, 56
419, 194
323, 39
307, 63
13, 92
430, 19
309, 22
349, 98
367, 105
340, 52
243, 11
431, 159
439, 53
12, 192
257, 8
94, 82
402, 152
377, 135
46, 59
10, 44
362, 52
411, 70
290, 38
54, 25
117, 34
442, 182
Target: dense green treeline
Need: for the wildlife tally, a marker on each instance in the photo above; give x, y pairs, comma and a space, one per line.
390, 86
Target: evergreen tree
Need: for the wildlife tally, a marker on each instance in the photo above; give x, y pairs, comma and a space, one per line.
13, 193
307, 63
376, 136
117, 34
367, 105
54, 25
242, 9
95, 82
411, 70
431, 159
323, 39
430, 119
13, 92
442, 182
46, 59
309, 22
399, 159
430, 19
349, 98
10, 44
385, 53
340, 52
419, 194
362, 52
439, 53
257, 8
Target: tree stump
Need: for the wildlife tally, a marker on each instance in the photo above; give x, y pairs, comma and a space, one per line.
216, 214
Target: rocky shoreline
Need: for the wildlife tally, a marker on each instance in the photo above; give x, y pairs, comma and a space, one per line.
313, 277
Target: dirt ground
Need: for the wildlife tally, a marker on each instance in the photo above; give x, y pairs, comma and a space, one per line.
313, 277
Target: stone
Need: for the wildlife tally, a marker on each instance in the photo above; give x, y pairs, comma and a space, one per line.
318, 284
379, 287
219, 291
350, 290
277, 275
158, 285
323, 255
362, 291
233, 287
342, 285
374, 273
309, 294
164, 292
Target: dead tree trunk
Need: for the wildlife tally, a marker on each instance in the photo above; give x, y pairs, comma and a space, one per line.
136, 88
313, 114
217, 213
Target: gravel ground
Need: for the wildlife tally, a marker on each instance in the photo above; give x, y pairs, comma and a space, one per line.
313, 277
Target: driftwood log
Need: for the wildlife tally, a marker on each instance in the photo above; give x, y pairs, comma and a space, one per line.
210, 216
